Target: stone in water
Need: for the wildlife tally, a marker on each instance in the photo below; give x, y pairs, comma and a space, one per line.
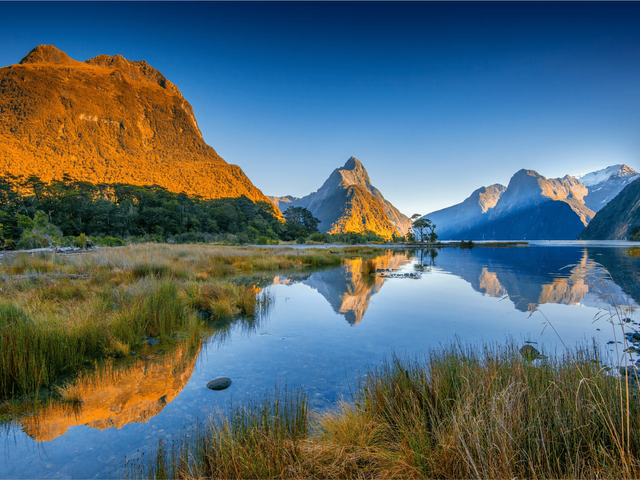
219, 383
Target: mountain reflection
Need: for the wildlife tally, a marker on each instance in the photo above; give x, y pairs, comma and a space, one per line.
115, 398
534, 276
347, 290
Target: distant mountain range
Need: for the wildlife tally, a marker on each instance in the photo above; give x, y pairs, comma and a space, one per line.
348, 202
532, 207
107, 120
619, 219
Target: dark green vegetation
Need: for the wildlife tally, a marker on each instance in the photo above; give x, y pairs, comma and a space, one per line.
463, 412
300, 223
619, 219
115, 212
69, 212
59, 314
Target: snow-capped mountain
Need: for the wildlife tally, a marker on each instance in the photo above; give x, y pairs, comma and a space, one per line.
604, 185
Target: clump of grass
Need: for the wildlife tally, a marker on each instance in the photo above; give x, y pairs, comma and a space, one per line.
260, 439
29, 263
465, 413
461, 412
222, 299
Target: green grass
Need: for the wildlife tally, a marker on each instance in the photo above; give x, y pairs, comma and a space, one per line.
260, 439
59, 314
461, 412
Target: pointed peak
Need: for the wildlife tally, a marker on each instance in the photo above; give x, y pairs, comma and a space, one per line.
47, 54
352, 164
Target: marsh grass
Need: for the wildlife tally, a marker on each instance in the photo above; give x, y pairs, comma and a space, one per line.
61, 313
460, 412
260, 439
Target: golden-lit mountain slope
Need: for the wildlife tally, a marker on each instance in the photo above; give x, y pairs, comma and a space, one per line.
107, 120
348, 202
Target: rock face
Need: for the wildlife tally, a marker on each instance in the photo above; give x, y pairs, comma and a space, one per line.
531, 207
107, 120
347, 202
618, 219
455, 221
604, 185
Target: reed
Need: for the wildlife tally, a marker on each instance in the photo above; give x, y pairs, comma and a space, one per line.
260, 439
460, 412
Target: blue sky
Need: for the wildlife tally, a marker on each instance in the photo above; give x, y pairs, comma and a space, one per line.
436, 99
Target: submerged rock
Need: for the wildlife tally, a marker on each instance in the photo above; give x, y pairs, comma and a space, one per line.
219, 383
530, 353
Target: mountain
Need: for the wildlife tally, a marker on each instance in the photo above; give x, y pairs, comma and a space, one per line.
455, 221
603, 185
282, 202
619, 218
107, 120
531, 207
347, 202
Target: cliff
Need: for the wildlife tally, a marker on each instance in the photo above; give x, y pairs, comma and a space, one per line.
107, 120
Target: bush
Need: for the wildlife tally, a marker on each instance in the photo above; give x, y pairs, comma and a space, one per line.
111, 242
42, 234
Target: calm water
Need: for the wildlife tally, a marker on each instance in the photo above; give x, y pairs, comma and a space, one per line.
323, 329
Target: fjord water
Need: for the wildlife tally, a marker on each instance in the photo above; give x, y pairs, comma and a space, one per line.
322, 330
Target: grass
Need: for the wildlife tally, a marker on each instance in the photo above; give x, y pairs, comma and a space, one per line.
261, 439
461, 412
60, 314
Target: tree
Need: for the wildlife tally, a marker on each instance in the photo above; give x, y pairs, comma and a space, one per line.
425, 228
300, 222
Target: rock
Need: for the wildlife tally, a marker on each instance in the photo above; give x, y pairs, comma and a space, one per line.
629, 371
219, 383
530, 353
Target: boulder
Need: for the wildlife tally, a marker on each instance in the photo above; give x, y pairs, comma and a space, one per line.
530, 353
219, 383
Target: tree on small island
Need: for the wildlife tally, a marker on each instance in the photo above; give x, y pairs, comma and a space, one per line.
425, 228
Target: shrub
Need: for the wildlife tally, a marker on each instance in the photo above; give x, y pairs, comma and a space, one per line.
111, 242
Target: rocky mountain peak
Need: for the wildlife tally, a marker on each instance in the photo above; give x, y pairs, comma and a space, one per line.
138, 70
352, 164
47, 54
354, 173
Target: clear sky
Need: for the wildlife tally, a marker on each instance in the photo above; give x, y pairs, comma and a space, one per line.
436, 99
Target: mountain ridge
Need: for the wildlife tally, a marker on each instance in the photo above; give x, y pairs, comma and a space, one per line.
531, 207
107, 120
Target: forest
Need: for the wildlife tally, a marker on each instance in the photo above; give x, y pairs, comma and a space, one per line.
71, 212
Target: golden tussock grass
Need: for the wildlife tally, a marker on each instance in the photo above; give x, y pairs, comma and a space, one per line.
460, 412
59, 313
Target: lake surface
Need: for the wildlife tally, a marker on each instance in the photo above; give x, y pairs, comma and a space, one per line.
321, 332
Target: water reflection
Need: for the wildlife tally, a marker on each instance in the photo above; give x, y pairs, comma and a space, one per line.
347, 290
532, 276
116, 397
